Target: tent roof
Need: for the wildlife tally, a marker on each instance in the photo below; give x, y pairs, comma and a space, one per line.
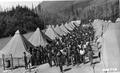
37, 38
77, 22
64, 29
97, 25
111, 48
59, 31
68, 26
4, 41
71, 25
16, 46
51, 33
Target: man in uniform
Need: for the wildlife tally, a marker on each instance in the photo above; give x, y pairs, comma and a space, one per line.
25, 60
49, 59
90, 54
60, 60
82, 54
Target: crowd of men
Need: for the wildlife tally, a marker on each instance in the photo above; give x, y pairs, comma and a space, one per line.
71, 49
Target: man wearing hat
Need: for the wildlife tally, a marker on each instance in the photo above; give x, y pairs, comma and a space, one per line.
60, 60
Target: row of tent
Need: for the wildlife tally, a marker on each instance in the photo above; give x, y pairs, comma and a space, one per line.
58, 31
19, 44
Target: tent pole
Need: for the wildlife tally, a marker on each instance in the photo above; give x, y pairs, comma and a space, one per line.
3, 61
11, 61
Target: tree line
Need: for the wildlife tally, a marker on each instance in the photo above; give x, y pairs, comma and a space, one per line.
21, 18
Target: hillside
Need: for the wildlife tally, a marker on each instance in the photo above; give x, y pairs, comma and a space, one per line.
81, 8
56, 6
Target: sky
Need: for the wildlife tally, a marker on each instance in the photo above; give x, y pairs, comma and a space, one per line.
8, 4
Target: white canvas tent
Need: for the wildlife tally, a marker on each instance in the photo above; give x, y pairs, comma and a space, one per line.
77, 22
16, 46
64, 29
51, 33
111, 47
73, 23
68, 26
59, 31
53, 26
98, 26
37, 38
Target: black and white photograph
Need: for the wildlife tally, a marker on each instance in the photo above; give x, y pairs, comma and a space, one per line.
59, 36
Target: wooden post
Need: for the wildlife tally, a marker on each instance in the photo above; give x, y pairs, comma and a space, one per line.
11, 61
3, 61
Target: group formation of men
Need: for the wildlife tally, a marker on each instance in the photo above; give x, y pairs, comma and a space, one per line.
71, 49
38, 57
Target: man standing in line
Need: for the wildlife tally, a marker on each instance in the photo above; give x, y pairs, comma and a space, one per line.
60, 60
49, 58
82, 54
90, 54
25, 60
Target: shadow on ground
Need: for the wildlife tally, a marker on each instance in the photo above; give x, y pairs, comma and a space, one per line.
67, 69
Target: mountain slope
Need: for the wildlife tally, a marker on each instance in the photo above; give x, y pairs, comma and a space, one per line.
56, 6
81, 9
